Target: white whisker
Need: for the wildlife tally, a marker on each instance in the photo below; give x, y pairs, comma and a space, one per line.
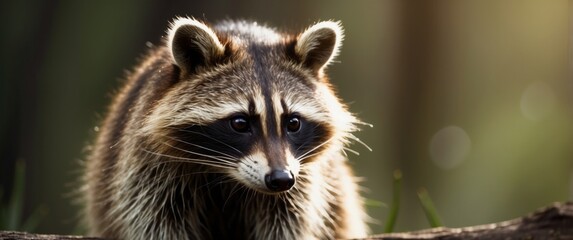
320, 145
223, 164
199, 154
212, 138
230, 157
359, 141
352, 151
306, 157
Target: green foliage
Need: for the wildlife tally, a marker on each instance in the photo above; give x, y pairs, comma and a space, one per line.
425, 201
374, 203
429, 208
11, 212
395, 205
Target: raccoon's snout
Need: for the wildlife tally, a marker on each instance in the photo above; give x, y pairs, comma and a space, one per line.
279, 180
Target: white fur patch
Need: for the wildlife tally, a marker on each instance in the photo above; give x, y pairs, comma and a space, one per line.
255, 32
260, 109
278, 108
293, 164
308, 108
252, 170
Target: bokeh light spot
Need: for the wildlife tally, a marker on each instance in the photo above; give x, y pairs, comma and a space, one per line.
449, 147
537, 101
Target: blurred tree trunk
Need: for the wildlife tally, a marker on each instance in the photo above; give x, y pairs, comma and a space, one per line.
415, 77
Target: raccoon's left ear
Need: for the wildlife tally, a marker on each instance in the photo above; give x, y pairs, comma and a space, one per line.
319, 44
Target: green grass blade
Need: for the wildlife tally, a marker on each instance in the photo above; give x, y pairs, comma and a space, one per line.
31, 222
14, 211
3, 209
374, 203
395, 205
429, 208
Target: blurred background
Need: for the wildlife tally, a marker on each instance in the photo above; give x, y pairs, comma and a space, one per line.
471, 100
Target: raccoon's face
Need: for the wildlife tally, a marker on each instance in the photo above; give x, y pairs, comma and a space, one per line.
256, 106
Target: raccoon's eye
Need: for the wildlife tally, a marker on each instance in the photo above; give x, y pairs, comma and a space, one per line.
240, 124
293, 124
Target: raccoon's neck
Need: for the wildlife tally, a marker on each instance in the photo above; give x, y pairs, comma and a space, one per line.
239, 212
218, 208
212, 206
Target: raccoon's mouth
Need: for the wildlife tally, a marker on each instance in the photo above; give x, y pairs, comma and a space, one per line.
257, 172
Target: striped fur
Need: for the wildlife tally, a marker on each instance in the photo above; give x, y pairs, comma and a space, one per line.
167, 165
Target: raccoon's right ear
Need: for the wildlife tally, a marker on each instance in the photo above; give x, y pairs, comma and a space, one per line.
319, 44
193, 44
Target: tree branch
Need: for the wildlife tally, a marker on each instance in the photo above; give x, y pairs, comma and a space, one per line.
553, 222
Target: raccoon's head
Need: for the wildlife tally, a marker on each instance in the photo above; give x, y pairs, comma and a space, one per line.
251, 103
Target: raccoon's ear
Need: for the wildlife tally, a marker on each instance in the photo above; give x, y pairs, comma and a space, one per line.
318, 45
193, 44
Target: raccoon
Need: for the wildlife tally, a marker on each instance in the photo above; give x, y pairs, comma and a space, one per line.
227, 132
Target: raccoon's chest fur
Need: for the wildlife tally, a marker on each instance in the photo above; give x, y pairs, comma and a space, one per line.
230, 132
230, 213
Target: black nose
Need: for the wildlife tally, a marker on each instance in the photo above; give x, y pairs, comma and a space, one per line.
279, 180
